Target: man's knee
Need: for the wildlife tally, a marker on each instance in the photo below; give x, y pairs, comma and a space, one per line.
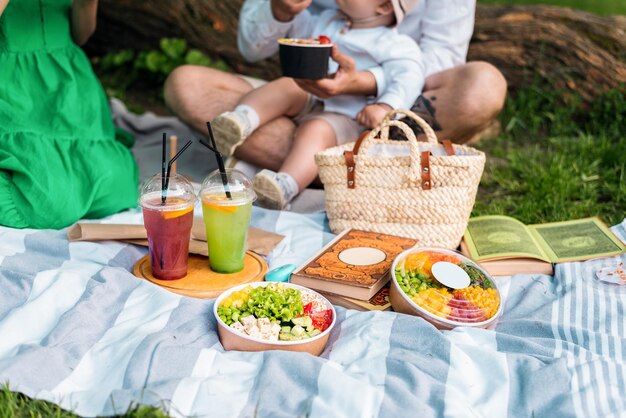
485, 96
178, 82
480, 99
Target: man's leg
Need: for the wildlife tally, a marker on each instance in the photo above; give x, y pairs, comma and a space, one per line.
462, 101
198, 94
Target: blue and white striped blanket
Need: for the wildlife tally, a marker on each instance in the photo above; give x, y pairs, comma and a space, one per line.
77, 328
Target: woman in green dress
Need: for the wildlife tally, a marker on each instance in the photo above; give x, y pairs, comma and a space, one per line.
59, 157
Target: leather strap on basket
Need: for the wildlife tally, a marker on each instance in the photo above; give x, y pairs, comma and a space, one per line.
447, 145
425, 164
427, 184
349, 156
425, 161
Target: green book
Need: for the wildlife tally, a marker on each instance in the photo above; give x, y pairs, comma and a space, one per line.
497, 237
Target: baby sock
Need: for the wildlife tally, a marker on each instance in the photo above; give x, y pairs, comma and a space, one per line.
249, 115
288, 185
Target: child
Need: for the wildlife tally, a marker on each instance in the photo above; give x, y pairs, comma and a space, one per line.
364, 29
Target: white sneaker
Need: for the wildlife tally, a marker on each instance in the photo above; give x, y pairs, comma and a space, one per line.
273, 190
231, 162
230, 130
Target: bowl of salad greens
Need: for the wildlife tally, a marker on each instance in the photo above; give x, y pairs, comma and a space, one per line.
273, 316
445, 288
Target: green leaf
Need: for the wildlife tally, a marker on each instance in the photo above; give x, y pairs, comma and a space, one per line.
196, 57
174, 47
140, 61
154, 60
123, 57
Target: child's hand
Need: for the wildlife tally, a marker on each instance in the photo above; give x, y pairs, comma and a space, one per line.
372, 115
285, 10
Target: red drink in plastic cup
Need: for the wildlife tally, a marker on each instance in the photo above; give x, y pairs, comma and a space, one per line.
168, 224
168, 237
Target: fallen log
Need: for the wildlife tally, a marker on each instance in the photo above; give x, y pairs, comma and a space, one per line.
573, 51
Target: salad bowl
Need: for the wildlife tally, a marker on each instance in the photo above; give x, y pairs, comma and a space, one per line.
445, 288
274, 316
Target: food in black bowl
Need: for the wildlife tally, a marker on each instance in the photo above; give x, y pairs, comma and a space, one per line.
305, 58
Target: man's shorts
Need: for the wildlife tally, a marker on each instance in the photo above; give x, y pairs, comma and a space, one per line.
346, 129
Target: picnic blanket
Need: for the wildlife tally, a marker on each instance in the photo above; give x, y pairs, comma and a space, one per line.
78, 329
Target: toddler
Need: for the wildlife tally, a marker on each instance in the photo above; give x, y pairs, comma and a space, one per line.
363, 29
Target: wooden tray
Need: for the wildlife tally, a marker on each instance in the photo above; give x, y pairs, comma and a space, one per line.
201, 281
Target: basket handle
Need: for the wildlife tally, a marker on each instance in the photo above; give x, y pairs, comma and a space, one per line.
388, 122
383, 129
367, 137
428, 131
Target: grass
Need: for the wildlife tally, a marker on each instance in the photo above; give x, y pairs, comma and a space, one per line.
601, 7
557, 161
16, 405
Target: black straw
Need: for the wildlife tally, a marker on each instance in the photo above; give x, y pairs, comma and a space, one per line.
220, 159
169, 168
163, 170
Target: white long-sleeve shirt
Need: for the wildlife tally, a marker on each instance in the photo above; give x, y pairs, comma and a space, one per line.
398, 55
441, 28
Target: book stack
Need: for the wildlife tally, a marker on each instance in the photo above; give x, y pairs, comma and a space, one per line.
353, 269
378, 302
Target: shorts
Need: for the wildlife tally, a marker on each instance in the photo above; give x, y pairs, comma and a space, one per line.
346, 129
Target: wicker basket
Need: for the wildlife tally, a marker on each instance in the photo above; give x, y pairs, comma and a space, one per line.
414, 189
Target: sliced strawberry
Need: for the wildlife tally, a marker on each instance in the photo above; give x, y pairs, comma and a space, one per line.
324, 39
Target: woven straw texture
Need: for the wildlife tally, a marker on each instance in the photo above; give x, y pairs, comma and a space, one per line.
388, 196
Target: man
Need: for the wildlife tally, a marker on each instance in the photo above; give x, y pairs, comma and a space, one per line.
458, 100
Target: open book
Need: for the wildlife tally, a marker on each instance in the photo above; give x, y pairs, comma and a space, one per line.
505, 246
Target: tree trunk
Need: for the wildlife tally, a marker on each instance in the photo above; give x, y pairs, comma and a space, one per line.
573, 51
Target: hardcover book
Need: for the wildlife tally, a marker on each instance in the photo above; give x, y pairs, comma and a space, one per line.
378, 302
505, 246
355, 264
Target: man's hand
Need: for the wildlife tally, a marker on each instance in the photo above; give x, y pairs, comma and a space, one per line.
372, 115
347, 80
285, 10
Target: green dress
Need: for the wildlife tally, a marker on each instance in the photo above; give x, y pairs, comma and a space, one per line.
59, 157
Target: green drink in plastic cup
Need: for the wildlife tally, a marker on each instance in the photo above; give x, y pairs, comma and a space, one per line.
226, 210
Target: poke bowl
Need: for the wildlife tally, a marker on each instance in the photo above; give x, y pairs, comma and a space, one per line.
273, 316
445, 288
304, 58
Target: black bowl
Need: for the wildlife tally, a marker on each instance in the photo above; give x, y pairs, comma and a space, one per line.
308, 61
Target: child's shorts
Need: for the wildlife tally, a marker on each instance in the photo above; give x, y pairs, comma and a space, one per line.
346, 129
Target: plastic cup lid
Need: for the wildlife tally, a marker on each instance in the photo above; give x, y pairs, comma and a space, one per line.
214, 188
179, 192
